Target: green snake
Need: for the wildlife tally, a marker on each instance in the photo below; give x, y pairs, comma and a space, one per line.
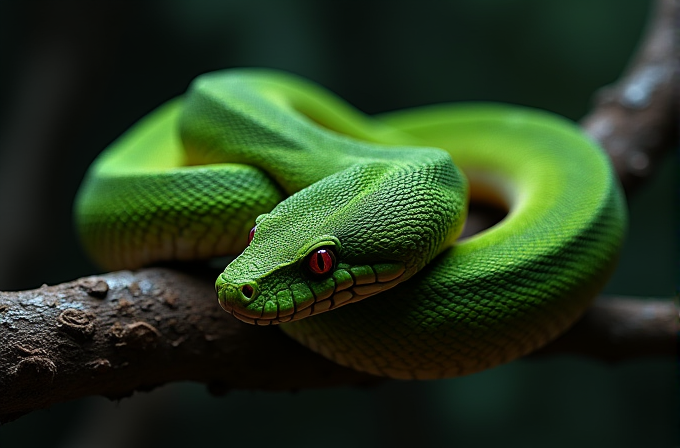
328, 206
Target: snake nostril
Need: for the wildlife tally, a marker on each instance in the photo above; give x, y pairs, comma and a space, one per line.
247, 291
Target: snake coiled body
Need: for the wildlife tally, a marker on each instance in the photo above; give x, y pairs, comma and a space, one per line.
355, 219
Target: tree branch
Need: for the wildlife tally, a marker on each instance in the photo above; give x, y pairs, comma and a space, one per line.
123, 331
636, 119
619, 328
120, 332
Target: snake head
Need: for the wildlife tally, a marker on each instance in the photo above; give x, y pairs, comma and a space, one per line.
306, 274
328, 245
311, 281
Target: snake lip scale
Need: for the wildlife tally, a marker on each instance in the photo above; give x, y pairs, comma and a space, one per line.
343, 293
353, 221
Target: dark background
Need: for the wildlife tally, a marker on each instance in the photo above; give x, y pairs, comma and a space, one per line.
76, 74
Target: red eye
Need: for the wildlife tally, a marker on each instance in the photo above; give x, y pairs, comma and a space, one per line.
321, 261
251, 234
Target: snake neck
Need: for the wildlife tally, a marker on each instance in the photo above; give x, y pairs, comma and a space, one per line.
293, 130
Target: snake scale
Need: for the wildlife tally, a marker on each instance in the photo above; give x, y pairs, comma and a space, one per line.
328, 207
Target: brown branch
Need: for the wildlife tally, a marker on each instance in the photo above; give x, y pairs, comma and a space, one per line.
620, 328
123, 331
636, 119
120, 332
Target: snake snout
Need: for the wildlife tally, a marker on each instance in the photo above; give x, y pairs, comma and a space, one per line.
237, 296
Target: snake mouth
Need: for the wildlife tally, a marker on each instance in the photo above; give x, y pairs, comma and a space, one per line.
341, 294
312, 309
244, 318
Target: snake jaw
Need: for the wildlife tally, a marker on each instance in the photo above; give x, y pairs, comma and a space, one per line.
308, 297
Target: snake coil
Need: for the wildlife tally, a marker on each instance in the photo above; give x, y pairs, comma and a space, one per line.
345, 206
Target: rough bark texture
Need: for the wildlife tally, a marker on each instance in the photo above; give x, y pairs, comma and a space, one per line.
636, 119
120, 332
124, 331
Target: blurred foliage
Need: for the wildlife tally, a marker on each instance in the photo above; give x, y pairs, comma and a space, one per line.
380, 56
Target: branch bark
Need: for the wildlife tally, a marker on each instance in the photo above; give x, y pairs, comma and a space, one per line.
124, 331
120, 332
636, 119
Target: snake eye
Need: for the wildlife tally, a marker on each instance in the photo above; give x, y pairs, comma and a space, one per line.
321, 261
251, 234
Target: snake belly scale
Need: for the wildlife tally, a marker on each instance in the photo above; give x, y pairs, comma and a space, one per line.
354, 220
